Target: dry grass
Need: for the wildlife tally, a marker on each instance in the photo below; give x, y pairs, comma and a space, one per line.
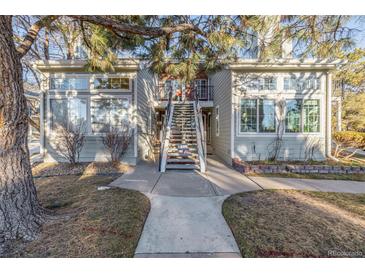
86, 222
93, 168
349, 177
289, 223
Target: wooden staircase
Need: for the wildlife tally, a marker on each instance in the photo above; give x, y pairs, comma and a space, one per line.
182, 151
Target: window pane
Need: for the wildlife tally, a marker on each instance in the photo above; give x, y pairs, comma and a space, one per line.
69, 83
58, 113
111, 83
100, 115
248, 115
118, 112
77, 109
293, 116
68, 112
311, 115
267, 121
107, 113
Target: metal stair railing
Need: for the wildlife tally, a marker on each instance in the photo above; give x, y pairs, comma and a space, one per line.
200, 135
166, 132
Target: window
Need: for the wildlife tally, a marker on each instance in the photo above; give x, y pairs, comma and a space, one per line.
202, 88
257, 115
217, 120
308, 109
261, 83
267, 121
311, 115
69, 83
293, 83
108, 113
68, 112
112, 83
248, 115
293, 116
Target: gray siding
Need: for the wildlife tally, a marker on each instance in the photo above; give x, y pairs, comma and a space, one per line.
146, 84
223, 98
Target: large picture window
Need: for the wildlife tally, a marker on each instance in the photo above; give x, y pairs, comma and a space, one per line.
107, 113
68, 112
112, 83
257, 115
69, 83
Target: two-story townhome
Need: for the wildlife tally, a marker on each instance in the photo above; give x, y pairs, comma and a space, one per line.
250, 109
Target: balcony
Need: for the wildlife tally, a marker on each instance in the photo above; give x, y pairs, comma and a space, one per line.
204, 93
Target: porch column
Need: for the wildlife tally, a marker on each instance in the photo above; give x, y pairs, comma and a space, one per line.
329, 114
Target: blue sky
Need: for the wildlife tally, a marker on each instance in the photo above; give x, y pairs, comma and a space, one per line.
358, 22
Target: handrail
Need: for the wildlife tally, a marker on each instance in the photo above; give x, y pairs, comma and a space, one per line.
166, 134
202, 146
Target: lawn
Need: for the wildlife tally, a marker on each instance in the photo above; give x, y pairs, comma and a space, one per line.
86, 222
290, 223
350, 177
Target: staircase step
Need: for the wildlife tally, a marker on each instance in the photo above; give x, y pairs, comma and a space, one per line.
181, 161
182, 167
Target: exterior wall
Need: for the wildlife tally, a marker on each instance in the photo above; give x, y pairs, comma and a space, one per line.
146, 119
223, 98
93, 149
295, 146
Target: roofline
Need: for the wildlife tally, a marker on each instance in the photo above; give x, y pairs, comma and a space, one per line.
51, 65
283, 64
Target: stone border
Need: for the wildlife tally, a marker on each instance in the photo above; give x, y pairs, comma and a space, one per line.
246, 168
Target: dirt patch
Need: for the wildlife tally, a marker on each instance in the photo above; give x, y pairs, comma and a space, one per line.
289, 223
84, 221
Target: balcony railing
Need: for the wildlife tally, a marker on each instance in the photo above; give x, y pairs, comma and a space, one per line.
202, 92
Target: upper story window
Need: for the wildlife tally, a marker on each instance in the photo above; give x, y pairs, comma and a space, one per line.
298, 83
261, 83
112, 83
69, 83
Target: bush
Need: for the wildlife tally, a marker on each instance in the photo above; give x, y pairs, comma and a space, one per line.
70, 142
346, 139
350, 138
117, 141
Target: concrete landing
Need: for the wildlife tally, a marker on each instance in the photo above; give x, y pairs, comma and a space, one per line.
186, 225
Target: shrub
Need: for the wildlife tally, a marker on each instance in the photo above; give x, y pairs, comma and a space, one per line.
346, 139
117, 141
70, 142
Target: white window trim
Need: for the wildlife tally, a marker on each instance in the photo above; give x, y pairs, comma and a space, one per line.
301, 134
244, 133
217, 121
69, 76
108, 76
89, 97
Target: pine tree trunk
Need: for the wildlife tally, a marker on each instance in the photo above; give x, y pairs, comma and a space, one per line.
20, 212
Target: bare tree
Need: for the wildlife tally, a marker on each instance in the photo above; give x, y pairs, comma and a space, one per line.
117, 141
275, 147
70, 143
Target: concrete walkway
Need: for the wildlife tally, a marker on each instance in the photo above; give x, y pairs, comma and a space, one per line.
185, 218
310, 184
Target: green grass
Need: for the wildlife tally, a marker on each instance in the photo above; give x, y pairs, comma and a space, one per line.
350, 177
86, 222
289, 223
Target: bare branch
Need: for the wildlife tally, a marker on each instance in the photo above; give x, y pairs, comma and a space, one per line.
33, 32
